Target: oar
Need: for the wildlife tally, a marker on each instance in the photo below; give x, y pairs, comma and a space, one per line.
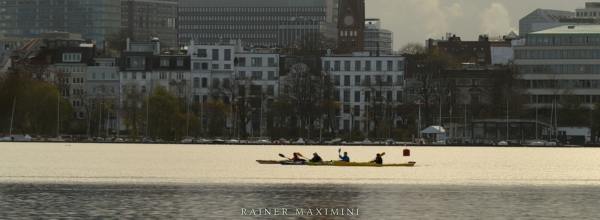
339, 151
281, 155
382, 154
299, 154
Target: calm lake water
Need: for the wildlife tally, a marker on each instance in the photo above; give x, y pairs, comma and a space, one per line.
97, 181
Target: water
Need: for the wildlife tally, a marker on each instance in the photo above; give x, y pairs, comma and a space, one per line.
97, 181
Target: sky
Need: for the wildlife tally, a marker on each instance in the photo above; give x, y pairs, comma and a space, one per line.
418, 20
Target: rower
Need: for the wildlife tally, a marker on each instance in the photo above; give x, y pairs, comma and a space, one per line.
378, 159
345, 158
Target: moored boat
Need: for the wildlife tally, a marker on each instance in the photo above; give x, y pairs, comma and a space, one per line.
367, 164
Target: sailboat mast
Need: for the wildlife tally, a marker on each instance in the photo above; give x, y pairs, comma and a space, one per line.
187, 123
58, 116
507, 120
12, 116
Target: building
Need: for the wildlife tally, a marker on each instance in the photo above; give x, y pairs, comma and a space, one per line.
103, 84
591, 10
146, 19
288, 32
92, 19
377, 40
351, 26
366, 85
256, 22
561, 59
483, 51
541, 16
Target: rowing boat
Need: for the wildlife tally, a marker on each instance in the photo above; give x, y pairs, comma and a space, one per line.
366, 164
293, 162
271, 161
323, 163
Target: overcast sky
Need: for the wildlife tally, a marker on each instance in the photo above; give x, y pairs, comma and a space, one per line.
418, 20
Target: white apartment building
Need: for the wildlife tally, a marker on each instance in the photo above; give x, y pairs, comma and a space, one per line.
351, 72
103, 83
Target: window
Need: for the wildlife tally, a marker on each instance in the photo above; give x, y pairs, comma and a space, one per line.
327, 66
356, 111
162, 75
271, 75
357, 66
143, 75
256, 62
346, 111
215, 54
400, 65
227, 66
179, 76
204, 82
256, 74
227, 54
76, 103
368, 65
104, 76
135, 62
336, 66
215, 66
93, 75
196, 82
356, 96
475, 82
271, 61
196, 66
378, 65
242, 61
390, 65
202, 53
347, 65
346, 80
336, 80
143, 89
204, 66
242, 74
125, 75
133, 75
77, 80
164, 62
179, 61
71, 57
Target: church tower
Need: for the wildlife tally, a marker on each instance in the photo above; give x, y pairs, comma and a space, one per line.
351, 26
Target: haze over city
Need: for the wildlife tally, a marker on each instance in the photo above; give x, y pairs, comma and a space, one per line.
418, 20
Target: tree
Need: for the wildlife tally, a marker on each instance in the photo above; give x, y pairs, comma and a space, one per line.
379, 94
412, 49
164, 115
303, 89
595, 121
426, 80
117, 42
314, 43
132, 108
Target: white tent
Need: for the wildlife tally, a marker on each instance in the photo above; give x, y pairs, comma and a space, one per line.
434, 130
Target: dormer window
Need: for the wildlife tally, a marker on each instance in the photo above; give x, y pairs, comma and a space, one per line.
72, 57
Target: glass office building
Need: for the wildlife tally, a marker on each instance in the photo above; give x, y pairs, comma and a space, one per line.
92, 19
146, 19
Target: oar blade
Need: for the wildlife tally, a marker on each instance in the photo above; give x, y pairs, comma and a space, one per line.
281, 155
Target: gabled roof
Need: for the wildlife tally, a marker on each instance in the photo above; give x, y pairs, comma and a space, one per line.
434, 130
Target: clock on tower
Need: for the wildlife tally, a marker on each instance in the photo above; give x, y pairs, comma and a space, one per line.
351, 26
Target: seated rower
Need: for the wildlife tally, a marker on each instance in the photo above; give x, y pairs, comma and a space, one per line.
345, 158
378, 159
316, 158
296, 158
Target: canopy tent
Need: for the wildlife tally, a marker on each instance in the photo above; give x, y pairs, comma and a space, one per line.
434, 130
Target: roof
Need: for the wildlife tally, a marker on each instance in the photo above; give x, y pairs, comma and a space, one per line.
571, 29
433, 130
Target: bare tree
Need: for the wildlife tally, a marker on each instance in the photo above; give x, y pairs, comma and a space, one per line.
314, 43
412, 49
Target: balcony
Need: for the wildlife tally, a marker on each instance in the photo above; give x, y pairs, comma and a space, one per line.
175, 82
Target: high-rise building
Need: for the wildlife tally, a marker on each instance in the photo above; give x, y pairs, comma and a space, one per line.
147, 19
591, 10
378, 40
92, 19
351, 26
541, 16
256, 22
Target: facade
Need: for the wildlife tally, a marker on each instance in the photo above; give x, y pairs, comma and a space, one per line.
146, 19
288, 32
541, 16
591, 10
561, 59
102, 84
378, 40
93, 19
479, 52
351, 73
351, 26
256, 22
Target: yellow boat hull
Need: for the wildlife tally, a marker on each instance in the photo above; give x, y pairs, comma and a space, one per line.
366, 164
